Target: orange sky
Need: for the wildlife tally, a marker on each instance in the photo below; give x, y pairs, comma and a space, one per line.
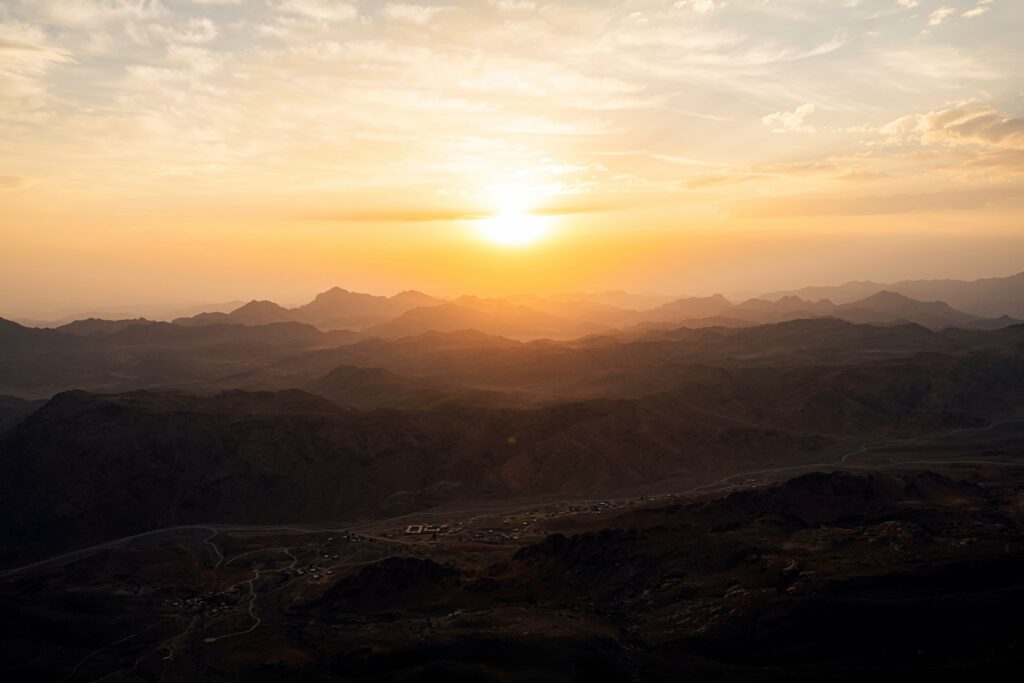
183, 151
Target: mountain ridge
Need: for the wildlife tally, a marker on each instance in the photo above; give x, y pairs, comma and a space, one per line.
987, 297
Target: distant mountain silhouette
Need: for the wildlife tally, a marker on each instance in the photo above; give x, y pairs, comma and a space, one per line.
880, 308
790, 307
989, 297
569, 318
889, 306
490, 316
694, 307
336, 308
150, 312
99, 327
524, 317
252, 313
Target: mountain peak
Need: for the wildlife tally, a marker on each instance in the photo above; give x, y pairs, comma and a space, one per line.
889, 298
887, 295
259, 305
332, 294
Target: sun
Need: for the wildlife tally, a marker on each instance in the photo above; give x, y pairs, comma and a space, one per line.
513, 224
513, 229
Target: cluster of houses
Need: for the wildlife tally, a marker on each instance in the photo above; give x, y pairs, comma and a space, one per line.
419, 529
210, 604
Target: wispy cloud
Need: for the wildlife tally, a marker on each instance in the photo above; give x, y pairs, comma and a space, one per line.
940, 15
13, 182
699, 6
86, 13
323, 10
976, 12
417, 14
26, 56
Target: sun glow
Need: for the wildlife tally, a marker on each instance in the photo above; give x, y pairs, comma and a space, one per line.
514, 225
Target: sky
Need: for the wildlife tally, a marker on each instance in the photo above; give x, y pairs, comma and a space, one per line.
184, 151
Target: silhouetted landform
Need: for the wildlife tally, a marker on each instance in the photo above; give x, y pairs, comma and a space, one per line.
151, 312
989, 297
252, 313
988, 302
827, 576
37, 363
13, 410
340, 308
564, 317
527, 318
334, 309
100, 327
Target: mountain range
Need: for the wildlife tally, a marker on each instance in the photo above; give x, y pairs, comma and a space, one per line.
334, 309
483, 397
987, 297
573, 314
451, 416
601, 488
986, 304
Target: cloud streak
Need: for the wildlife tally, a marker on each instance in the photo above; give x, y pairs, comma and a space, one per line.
318, 98
877, 205
967, 125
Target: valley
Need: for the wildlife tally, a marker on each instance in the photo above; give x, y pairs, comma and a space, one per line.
197, 598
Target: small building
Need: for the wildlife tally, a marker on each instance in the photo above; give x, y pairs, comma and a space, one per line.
417, 529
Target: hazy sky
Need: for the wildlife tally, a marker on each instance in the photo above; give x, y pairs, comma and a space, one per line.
177, 151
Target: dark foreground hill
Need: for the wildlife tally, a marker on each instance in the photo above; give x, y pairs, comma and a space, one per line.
13, 410
826, 577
